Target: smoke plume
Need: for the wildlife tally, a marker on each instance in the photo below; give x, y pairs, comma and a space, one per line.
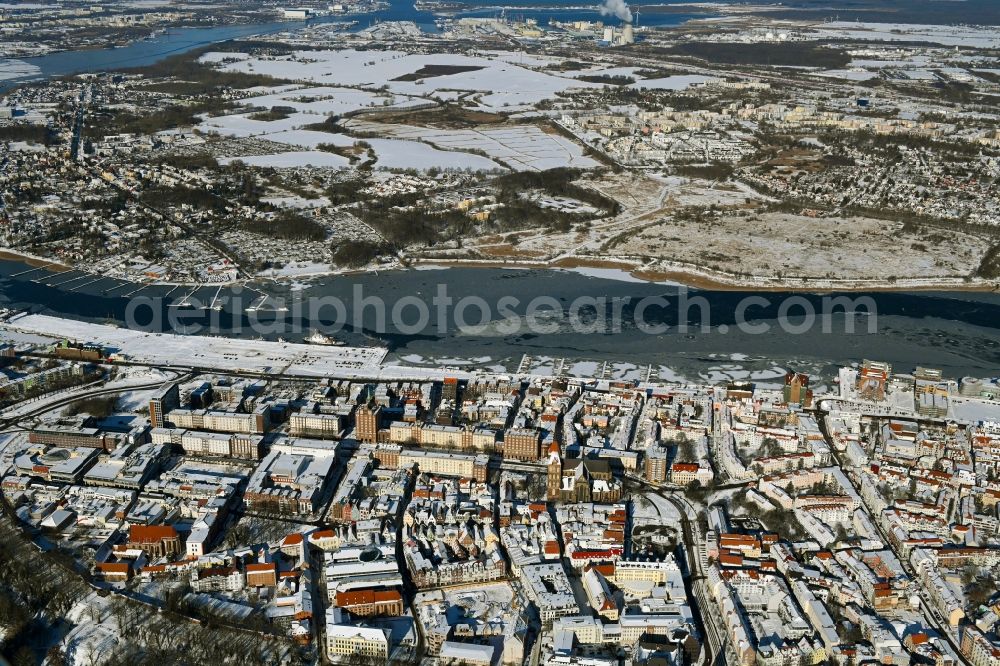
617, 8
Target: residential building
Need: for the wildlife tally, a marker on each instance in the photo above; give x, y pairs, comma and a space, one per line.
370, 602
522, 444
366, 422
347, 640
168, 398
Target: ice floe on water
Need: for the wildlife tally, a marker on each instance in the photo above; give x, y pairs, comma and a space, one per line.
17, 69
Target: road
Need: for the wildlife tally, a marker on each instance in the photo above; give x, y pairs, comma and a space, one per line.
74, 397
930, 614
81, 110
12, 414
702, 607
409, 589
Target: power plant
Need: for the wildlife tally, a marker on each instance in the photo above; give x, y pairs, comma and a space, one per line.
619, 36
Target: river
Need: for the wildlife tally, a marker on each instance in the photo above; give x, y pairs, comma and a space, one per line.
956, 331
179, 40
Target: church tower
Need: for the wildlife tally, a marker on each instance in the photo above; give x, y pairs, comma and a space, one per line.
554, 472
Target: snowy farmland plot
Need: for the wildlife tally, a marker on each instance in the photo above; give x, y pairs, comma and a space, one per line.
302, 143
312, 105
503, 85
396, 81
291, 159
520, 147
966, 36
395, 154
676, 82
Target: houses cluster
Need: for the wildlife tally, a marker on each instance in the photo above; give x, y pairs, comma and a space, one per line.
854, 526
765, 432
921, 180
925, 469
645, 138
449, 536
18, 384
673, 434
132, 213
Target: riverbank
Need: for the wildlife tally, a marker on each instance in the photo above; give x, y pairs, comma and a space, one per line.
953, 330
146, 33
702, 279
8, 254
680, 276
717, 281
147, 51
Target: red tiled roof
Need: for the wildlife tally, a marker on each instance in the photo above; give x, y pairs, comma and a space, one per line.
151, 533
367, 596
113, 567
737, 540
605, 570
322, 534
258, 567
214, 571
595, 554
615, 535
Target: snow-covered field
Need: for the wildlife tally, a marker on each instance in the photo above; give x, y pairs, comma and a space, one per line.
391, 153
327, 100
297, 269
502, 84
311, 138
336, 83
522, 147
294, 158
95, 632
677, 82
241, 125
849, 74
919, 74
23, 146
297, 202
397, 154
864, 248
916, 60
980, 37
606, 71
523, 59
